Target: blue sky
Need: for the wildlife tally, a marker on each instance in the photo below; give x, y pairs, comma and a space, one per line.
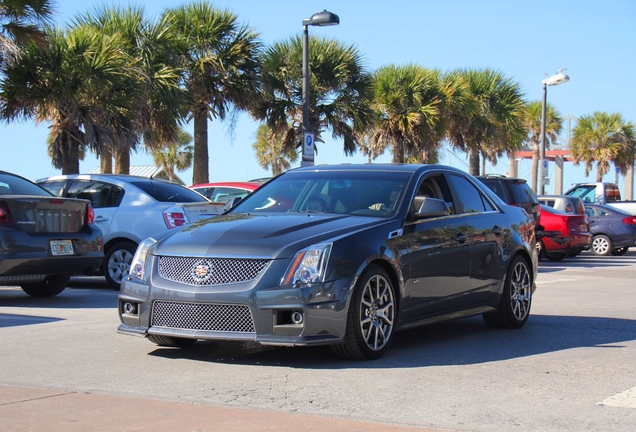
524, 39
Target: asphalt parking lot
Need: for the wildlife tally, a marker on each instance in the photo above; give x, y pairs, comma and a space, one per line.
572, 368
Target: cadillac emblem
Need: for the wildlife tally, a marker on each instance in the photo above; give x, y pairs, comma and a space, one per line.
202, 272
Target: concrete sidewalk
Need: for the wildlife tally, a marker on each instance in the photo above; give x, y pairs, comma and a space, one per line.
30, 409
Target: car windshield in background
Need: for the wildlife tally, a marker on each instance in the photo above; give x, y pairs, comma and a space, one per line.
168, 192
362, 193
13, 185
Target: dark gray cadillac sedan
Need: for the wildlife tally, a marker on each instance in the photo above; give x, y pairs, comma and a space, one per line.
344, 255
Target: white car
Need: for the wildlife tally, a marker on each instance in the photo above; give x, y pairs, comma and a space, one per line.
129, 209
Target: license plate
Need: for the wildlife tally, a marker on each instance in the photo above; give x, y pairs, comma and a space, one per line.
61, 247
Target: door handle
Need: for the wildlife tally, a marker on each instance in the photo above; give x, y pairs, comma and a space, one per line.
101, 219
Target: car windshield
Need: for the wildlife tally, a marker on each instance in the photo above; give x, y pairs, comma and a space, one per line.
361, 193
12, 185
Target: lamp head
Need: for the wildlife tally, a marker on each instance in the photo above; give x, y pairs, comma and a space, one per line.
556, 79
324, 18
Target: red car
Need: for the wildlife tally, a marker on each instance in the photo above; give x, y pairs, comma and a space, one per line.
563, 234
225, 191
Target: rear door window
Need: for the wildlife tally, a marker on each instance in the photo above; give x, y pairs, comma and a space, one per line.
100, 194
169, 192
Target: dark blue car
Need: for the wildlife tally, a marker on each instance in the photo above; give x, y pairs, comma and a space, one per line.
614, 230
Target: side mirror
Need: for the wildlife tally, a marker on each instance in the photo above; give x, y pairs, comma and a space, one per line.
231, 203
427, 207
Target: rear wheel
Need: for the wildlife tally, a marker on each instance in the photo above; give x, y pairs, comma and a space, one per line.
117, 262
49, 287
371, 317
620, 251
516, 299
602, 245
169, 341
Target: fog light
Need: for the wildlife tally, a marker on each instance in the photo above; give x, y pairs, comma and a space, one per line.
297, 318
130, 308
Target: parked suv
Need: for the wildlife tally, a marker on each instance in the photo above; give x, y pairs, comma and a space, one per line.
129, 209
565, 203
514, 191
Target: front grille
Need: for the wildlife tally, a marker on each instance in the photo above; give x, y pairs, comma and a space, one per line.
209, 271
203, 316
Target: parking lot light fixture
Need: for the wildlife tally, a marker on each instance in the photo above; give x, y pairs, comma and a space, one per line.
556, 79
324, 18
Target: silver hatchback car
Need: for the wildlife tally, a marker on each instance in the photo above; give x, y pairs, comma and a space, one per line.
130, 208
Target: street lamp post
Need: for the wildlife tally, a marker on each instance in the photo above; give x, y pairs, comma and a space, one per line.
555, 79
323, 18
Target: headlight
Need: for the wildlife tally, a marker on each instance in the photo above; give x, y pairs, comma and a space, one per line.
138, 265
309, 265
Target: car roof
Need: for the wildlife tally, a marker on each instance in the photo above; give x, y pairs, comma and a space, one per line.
244, 185
124, 178
376, 167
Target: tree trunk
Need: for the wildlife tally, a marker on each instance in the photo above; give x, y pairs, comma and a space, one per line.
535, 166
473, 162
106, 162
200, 172
122, 160
70, 156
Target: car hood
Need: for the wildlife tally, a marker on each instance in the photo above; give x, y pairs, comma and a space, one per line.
262, 236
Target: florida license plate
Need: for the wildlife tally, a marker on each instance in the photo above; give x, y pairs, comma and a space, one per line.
61, 247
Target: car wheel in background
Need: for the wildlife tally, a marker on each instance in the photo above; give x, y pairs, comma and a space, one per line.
620, 251
169, 341
117, 262
371, 317
516, 300
49, 287
602, 245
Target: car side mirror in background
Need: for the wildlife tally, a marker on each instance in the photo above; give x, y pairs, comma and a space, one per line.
231, 203
427, 207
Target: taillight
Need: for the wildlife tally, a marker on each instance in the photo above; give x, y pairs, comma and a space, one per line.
90, 214
630, 220
5, 214
175, 217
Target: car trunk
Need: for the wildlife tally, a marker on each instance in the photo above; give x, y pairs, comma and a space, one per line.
195, 211
45, 215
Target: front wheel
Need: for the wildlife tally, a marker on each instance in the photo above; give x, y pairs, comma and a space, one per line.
516, 299
49, 287
602, 245
117, 262
371, 317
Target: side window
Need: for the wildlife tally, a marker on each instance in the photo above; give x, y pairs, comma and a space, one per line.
98, 193
470, 198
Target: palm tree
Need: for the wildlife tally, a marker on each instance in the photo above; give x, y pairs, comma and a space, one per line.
493, 121
602, 138
79, 84
338, 97
176, 154
532, 123
21, 22
220, 60
407, 101
152, 49
271, 152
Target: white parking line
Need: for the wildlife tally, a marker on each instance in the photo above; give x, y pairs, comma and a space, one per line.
626, 399
553, 281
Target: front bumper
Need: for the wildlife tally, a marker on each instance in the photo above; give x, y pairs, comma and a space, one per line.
271, 315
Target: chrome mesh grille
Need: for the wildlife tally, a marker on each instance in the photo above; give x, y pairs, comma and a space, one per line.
203, 316
209, 271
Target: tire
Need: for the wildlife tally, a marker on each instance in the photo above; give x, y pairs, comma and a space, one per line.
371, 317
620, 251
602, 245
516, 298
117, 262
556, 256
169, 341
49, 287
